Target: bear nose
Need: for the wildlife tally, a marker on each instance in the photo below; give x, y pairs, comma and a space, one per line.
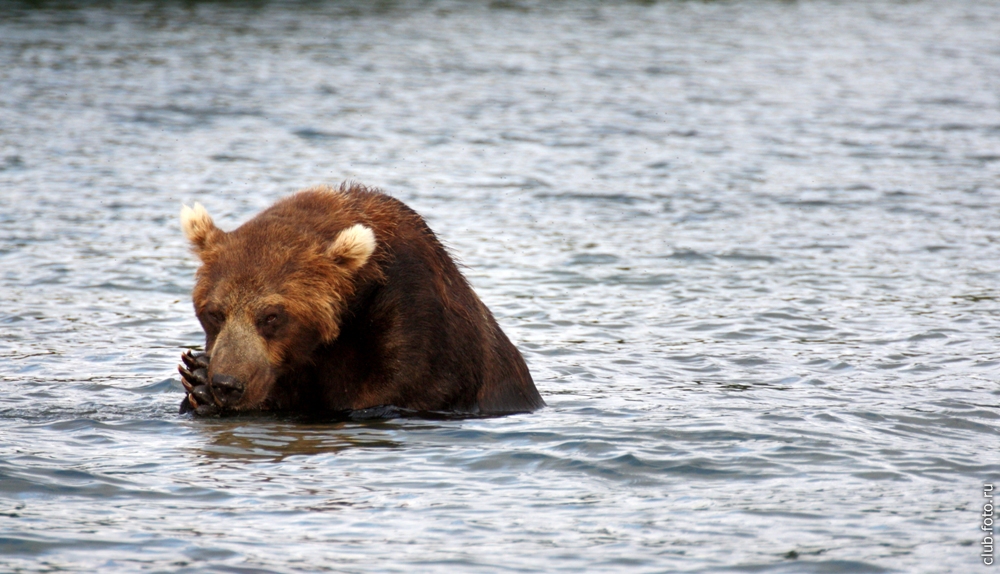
227, 389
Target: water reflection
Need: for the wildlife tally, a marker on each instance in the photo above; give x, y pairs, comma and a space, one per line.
255, 439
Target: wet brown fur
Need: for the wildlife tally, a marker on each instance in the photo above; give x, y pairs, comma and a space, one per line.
403, 328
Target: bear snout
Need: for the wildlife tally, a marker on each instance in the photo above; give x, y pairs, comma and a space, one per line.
227, 390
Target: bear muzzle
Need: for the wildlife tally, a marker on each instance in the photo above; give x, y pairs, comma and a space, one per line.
227, 390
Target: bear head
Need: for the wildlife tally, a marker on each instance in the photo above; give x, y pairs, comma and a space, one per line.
267, 294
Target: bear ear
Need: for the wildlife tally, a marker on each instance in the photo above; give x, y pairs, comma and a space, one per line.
352, 247
198, 226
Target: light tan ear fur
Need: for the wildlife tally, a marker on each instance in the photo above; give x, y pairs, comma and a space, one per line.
197, 225
352, 247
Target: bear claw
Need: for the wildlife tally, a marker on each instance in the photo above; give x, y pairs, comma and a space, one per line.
195, 360
203, 395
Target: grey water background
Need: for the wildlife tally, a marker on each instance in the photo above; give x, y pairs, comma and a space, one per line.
750, 251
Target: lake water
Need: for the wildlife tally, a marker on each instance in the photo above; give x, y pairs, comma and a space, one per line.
750, 251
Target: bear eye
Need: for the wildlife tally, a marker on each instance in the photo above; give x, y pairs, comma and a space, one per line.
270, 320
215, 317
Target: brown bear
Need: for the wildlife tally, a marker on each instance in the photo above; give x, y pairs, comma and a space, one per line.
337, 300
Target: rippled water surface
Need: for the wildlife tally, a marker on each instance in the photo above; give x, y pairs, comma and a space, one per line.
749, 250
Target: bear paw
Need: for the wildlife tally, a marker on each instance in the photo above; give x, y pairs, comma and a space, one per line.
194, 377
